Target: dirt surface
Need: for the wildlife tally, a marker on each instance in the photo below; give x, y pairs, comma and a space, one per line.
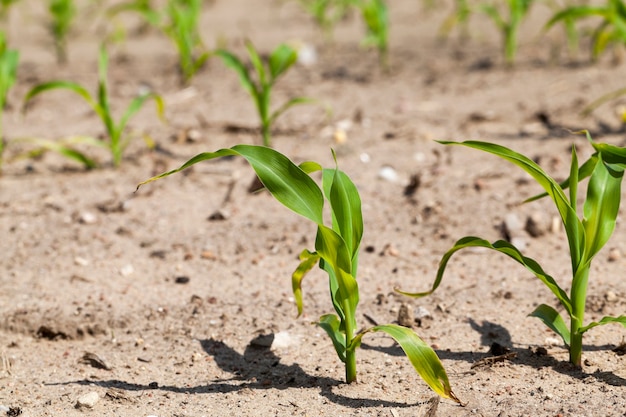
156, 304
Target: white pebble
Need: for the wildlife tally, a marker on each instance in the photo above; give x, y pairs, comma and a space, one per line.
388, 174
88, 218
127, 270
88, 400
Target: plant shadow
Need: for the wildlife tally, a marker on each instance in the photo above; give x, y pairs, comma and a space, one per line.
532, 356
258, 368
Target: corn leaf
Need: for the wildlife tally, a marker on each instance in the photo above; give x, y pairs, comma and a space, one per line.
235, 64
551, 318
67, 85
281, 59
257, 63
507, 249
422, 357
332, 325
307, 261
283, 108
291, 186
605, 320
573, 226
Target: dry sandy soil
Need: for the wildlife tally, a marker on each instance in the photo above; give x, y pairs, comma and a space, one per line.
173, 299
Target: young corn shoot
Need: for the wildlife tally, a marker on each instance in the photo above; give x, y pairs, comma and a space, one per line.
612, 28
327, 12
586, 235
260, 89
336, 252
62, 13
184, 16
9, 59
116, 141
517, 11
376, 18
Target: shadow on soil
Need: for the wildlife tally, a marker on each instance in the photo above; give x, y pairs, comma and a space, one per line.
258, 368
493, 334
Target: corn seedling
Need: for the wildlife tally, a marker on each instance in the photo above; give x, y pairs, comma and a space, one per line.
280, 60
612, 28
327, 12
179, 21
183, 30
336, 253
459, 17
376, 18
585, 235
116, 141
8, 71
62, 13
516, 11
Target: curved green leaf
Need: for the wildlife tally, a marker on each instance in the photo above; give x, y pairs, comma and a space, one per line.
332, 325
605, 320
422, 357
281, 59
573, 226
307, 262
601, 206
507, 249
291, 186
235, 64
551, 318
286, 106
64, 85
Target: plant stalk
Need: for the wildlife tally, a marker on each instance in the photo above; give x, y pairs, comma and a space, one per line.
578, 297
350, 354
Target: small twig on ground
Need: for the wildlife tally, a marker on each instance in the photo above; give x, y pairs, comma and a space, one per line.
493, 359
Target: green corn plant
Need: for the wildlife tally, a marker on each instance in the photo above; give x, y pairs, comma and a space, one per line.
62, 13
611, 30
459, 17
517, 11
336, 252
178, 20
586, 235
116, 140
327, 12
182, 28
260, 89
9, 60
376, 18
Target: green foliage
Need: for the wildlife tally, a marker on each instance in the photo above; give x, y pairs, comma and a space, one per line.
376, 18
611, 30
8, 72
62, 13
116, 141
459, 17
585, 236
179, 21
327, 12
260, 89
182, 28
336, 252
508, 22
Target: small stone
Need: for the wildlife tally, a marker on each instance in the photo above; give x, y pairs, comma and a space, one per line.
610, 296
422, 313
88, 400
3, 409
283, 340
207, 254
388, 174
196, 357
555, 224
87, 218
552, 341
511, 225
406, 317
218, 215
81, 261
535, 224
614, 255
127, 270
182, 280
340, 136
